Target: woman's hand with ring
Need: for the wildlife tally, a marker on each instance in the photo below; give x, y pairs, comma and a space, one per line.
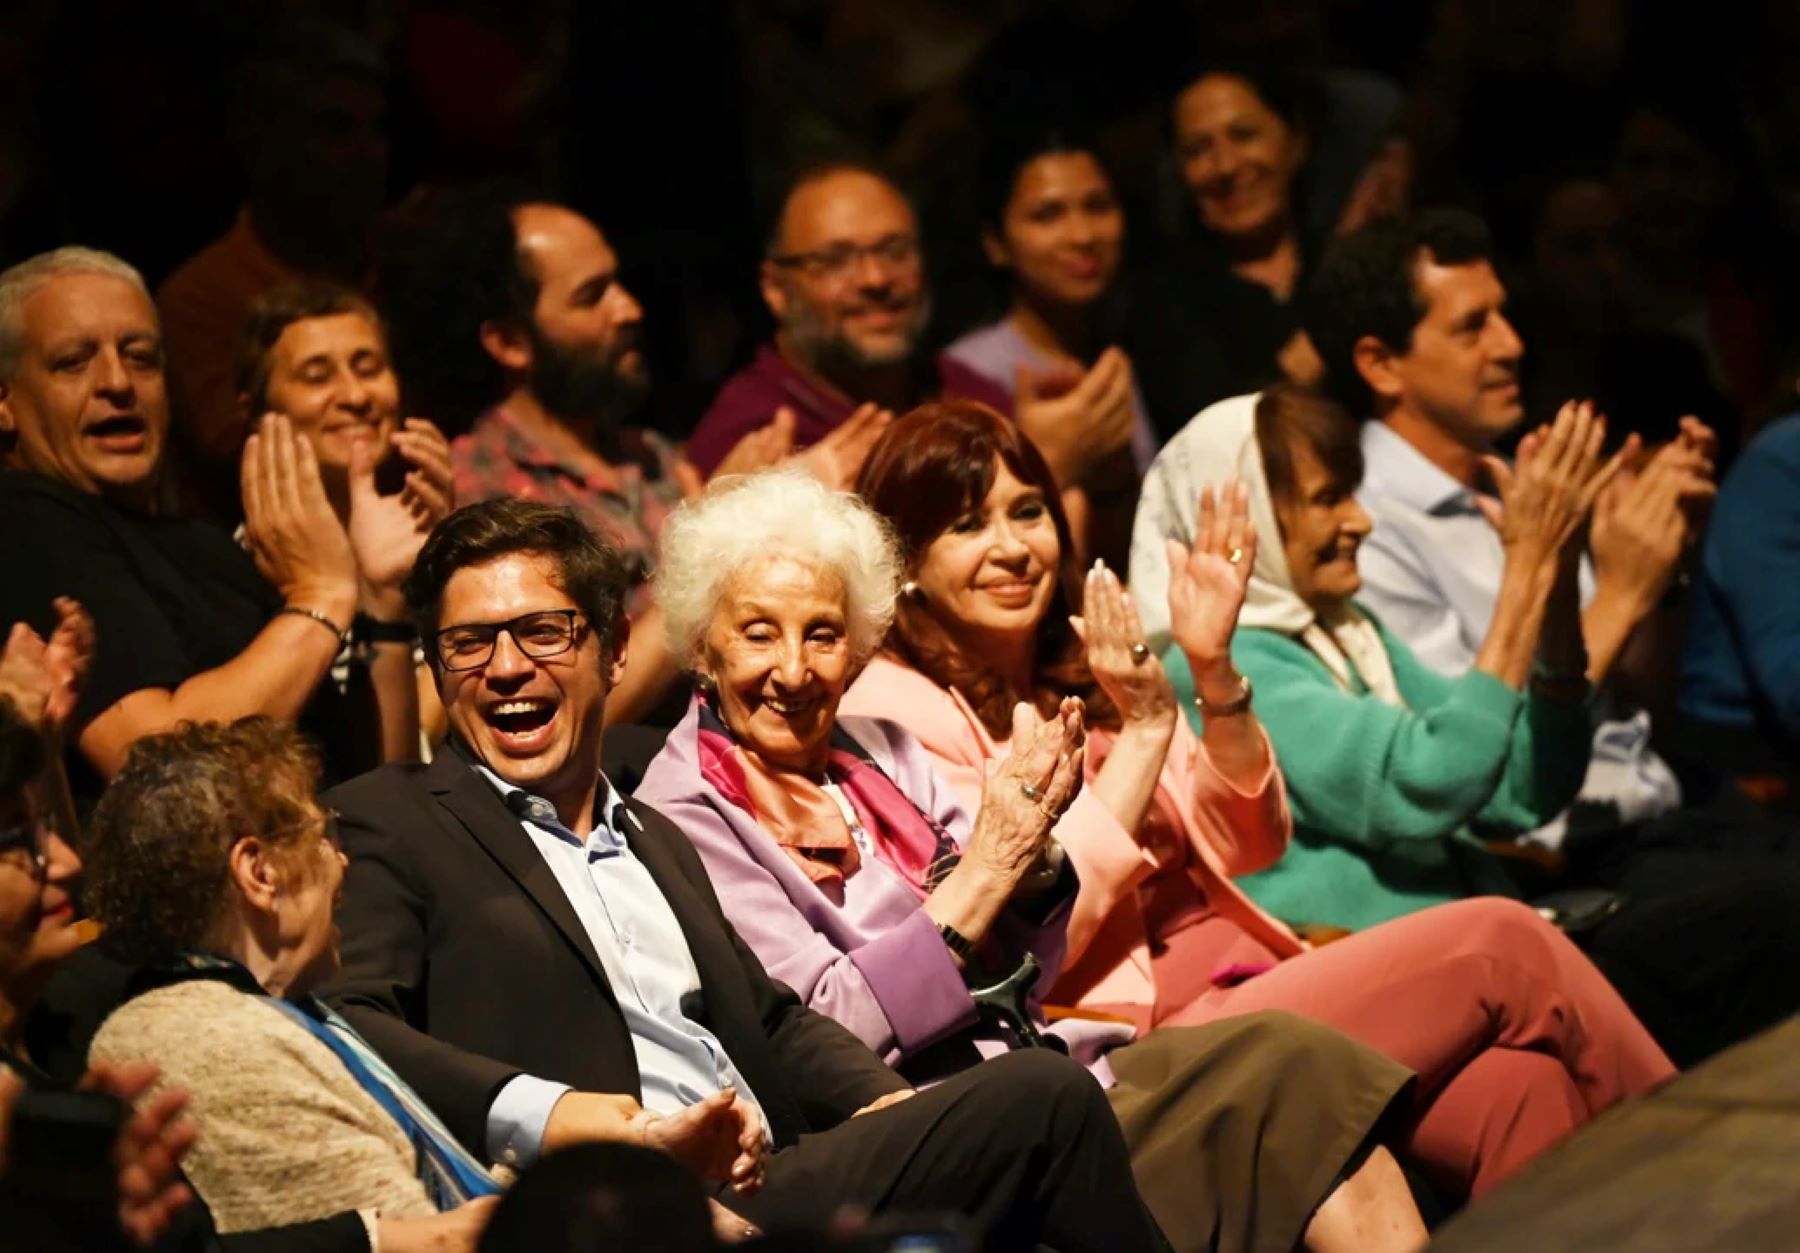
1208, 582
1119, 655
1029, 792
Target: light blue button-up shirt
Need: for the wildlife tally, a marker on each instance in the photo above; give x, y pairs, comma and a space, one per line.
646, 960
1431, 572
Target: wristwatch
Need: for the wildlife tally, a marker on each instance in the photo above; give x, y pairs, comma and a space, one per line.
1236, 705
375, 631
958, 943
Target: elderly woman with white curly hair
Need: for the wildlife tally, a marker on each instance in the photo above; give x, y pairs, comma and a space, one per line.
859, 880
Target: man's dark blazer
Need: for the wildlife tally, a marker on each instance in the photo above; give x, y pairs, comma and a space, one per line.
465, 964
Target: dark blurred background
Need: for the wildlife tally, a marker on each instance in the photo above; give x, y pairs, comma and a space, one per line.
1640, 163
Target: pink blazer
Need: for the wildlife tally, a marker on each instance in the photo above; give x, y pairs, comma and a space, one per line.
1228, 832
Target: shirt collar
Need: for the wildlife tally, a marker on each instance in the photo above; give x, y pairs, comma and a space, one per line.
528, 807
1393, 467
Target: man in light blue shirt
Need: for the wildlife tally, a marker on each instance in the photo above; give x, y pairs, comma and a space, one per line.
1409, 318
646, 961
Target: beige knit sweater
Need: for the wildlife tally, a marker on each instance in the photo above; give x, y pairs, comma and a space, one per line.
286, 1134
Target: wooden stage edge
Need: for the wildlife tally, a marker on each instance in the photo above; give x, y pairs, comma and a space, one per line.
1710, 1162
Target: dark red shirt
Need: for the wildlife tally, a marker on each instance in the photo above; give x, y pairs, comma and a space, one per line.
750, 397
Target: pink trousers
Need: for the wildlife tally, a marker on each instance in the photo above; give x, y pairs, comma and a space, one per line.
1516, 1038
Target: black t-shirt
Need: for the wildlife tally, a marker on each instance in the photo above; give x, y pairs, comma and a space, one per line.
170, 597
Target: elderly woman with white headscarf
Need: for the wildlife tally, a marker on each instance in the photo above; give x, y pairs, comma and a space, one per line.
1389, 766
859, 878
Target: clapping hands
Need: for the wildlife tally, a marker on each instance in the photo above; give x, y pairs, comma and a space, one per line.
1024, 796
43, 678
387, 532
835, 460
1119, 654
1547, 496
1651, 513
1077, 419
1209, 580
289, 525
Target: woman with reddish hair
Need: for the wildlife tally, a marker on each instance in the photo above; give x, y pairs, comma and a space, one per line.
1515, 1036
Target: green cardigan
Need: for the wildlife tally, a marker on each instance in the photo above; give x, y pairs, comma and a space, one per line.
1384, 798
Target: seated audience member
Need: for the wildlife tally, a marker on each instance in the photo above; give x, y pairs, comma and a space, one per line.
1355, 164
862, 883
1395, 770
1740, 685
535, 953
510, 327
317, 354
39, 681
190, 627
1052, 222
1391, 766
1409, 317
602, 1196
845, 281
306, 117
1222, 317
215, 870
1510, 1057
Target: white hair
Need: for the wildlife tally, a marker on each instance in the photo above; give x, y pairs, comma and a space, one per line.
781, 512
18, 282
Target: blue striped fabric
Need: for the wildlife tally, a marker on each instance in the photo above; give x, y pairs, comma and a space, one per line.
450, 1173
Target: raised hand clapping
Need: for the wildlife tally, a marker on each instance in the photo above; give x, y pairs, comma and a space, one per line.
1208, 581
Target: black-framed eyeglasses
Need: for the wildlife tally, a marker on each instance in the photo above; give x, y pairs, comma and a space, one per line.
545, 633
839, 259
26, 838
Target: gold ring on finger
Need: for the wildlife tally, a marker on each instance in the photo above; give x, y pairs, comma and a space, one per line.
1140, 653
1031, 791
1235, 555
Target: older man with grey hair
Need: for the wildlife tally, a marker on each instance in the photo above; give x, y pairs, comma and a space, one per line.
190, 626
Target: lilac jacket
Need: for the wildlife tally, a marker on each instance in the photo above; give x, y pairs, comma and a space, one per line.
863, 952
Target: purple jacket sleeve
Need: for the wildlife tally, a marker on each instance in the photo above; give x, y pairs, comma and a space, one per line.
897, 991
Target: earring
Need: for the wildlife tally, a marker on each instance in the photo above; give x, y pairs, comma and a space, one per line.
910, 590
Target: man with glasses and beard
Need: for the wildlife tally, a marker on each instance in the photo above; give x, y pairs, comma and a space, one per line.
844, 279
